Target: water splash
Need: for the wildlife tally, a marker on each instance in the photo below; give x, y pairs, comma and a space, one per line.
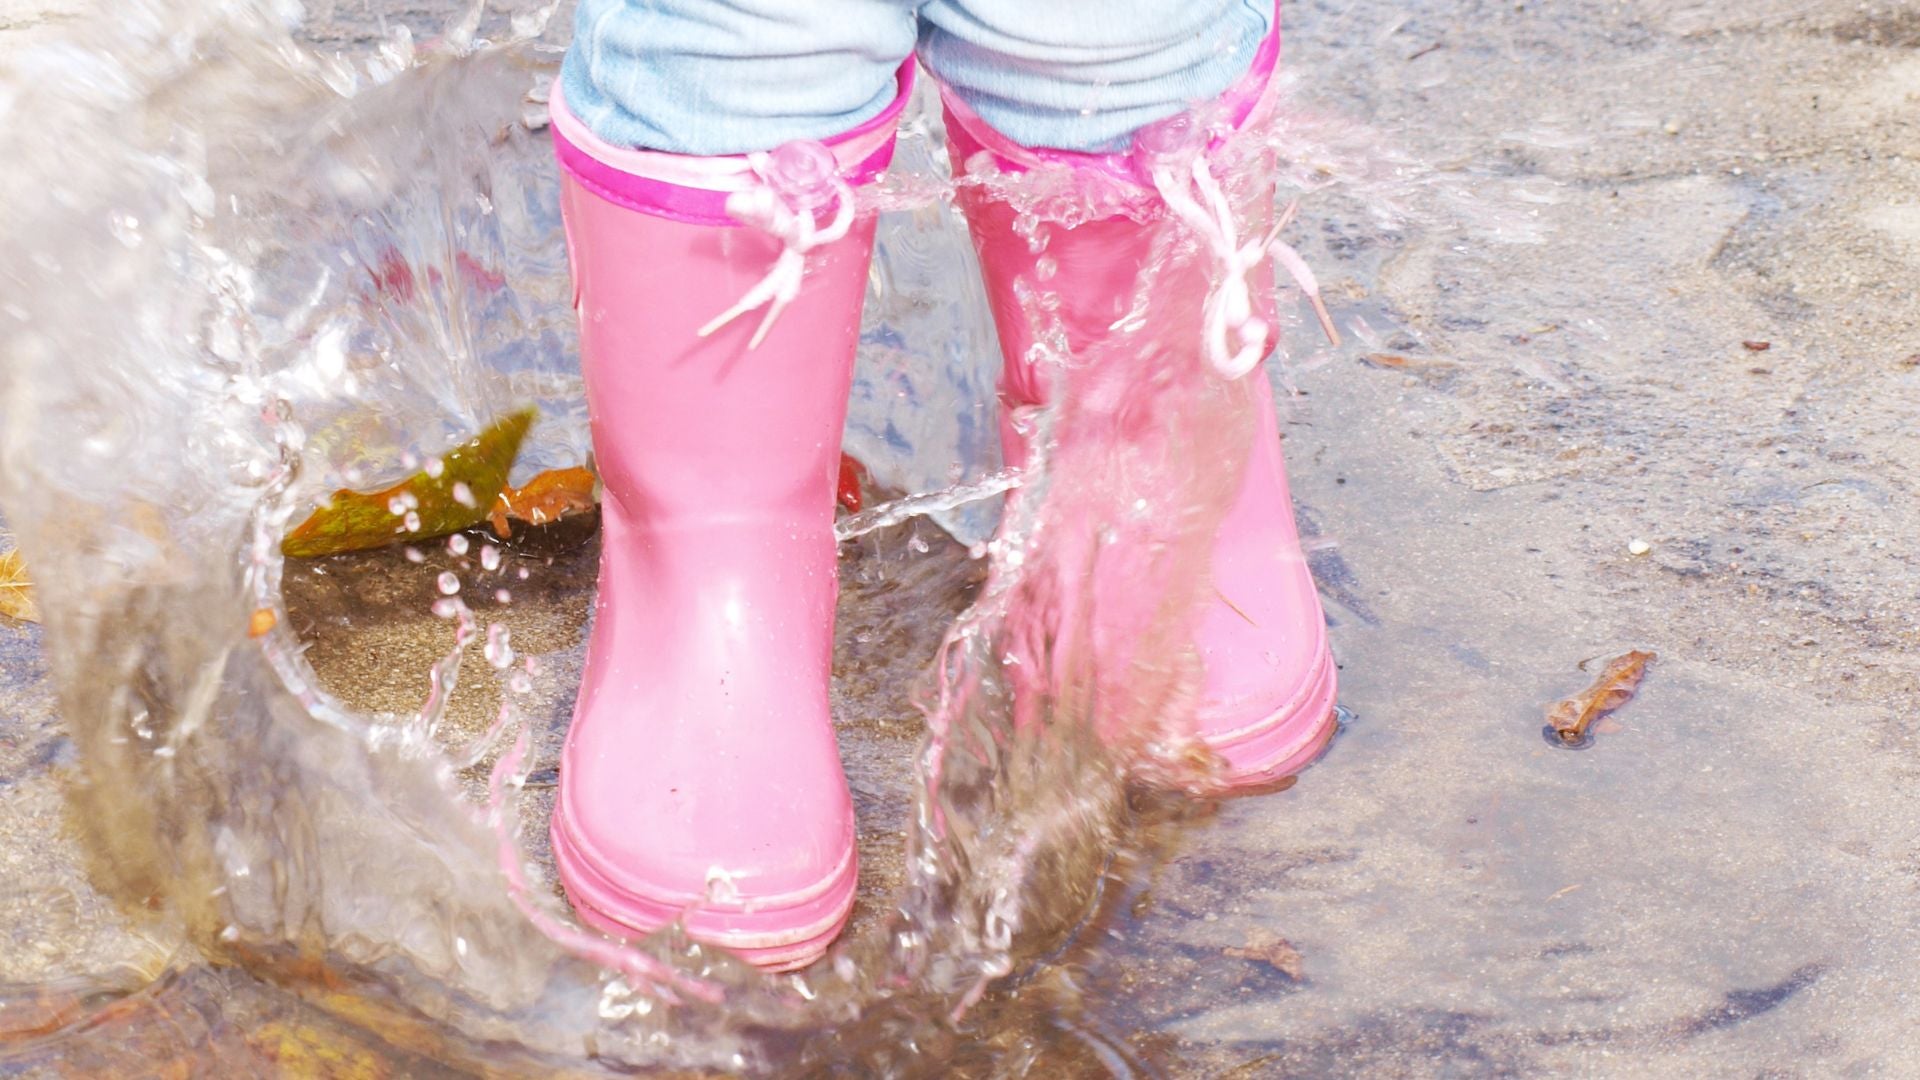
251, 273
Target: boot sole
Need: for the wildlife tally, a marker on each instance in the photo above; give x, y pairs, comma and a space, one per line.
1287, 739
783, 932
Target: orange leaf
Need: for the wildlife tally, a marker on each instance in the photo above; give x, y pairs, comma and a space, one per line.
1614, 688
1397, 362
546, 498
16, 590
852, 475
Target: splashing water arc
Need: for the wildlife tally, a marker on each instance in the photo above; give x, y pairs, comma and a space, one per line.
249, 273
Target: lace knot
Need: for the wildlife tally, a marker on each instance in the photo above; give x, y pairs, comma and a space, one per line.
1235, 335
793, 183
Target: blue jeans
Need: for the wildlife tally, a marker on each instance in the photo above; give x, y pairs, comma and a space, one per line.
732, 76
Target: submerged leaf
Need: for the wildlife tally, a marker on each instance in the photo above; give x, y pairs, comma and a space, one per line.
16, 591
1614, 688
1269, 948
1399, 362
312, 1051
422, 506
546, 498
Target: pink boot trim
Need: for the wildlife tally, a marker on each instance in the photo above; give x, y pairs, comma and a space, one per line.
701, 780
695, 189
1268, 696
779, 932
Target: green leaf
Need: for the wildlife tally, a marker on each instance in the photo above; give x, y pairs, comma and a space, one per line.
471, 477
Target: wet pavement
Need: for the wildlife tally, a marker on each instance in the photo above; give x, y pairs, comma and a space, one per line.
1641, 195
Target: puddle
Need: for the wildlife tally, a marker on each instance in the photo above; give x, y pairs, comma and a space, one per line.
1706, 889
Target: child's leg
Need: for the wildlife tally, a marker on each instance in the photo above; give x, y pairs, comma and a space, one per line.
1073, 75
1022, 76
700, 778
732, 76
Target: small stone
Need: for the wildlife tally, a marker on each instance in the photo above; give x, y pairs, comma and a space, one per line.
1638, 547
1672, 128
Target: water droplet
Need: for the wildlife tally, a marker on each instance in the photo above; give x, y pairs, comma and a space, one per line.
413, 555
396, 506
457, 543
435, 467
499, 650
463, 495
412, 521
125, 228
489, 557
519, 683
502, 596
612, 1009
449, 582
720, 886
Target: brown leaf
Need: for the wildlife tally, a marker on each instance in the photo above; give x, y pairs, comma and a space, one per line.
1757, 346
470, 478
1398, 362
546, 498
1614, 688
16, 589
1270, 949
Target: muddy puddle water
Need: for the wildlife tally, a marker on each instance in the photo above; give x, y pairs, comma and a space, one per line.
229, 855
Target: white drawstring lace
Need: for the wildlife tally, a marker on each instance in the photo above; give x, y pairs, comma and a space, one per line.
1235, 336
778, 211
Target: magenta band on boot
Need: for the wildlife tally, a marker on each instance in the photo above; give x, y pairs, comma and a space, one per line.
1247, 100
695, 189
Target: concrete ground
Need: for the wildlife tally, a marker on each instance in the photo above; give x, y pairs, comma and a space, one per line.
1657, 284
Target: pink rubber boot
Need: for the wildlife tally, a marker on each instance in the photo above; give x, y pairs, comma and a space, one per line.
700, 778
1268, 696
